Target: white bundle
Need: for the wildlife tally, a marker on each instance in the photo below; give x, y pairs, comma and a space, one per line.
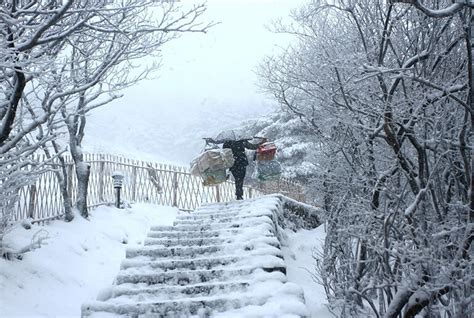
211, 160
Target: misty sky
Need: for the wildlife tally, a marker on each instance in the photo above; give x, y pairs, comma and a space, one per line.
206, 83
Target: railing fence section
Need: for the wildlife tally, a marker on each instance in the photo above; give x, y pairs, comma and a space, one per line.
151, 182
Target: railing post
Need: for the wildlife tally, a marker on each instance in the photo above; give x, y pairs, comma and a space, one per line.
70, 171
175, 188
101, 180
250, 193
218, 194
134, 182
32, 203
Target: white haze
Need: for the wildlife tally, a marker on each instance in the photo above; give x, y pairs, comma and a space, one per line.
207, 83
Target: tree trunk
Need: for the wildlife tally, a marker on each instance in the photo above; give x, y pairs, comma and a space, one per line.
67, 201
8, 112
63, 186
82, 173
470, 50
82, 170
68, 215
62, 177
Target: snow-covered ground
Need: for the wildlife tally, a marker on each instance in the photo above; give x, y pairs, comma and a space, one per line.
79, 259
82, 258
299, 251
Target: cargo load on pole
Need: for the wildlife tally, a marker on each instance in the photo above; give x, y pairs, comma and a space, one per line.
266, 151
267, 168
211, 165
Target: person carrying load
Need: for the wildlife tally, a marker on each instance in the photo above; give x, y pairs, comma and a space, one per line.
241, 162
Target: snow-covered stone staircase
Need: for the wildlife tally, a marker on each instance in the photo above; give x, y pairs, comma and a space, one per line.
221, 260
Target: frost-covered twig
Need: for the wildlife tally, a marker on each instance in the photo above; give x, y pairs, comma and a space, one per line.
435, 13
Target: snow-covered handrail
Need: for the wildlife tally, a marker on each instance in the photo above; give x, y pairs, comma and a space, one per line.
295, 215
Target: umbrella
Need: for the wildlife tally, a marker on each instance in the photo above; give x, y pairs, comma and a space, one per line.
231, 135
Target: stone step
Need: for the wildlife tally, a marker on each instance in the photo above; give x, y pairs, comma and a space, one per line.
266, 243
220, 210
261, 261
221, 215
183, 278
260, 228
132, 293
147, 278
231, 219
147, 302
179, 264
187, 242
199, 216
247, 222
203, 241
260, 251
162, 293
200, 307
225, 205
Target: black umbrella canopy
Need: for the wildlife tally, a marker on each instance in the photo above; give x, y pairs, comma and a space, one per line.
232, 135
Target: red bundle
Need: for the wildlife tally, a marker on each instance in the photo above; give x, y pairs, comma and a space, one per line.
266, 151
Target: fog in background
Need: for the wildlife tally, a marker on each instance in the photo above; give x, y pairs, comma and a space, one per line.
206, 84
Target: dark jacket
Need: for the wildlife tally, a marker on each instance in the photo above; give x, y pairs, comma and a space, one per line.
238, 149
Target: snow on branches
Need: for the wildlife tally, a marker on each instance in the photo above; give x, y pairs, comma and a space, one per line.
62, 59
384, 90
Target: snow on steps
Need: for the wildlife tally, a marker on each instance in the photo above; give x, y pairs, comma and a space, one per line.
221, 260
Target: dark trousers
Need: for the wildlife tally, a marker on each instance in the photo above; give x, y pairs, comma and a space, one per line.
239, 174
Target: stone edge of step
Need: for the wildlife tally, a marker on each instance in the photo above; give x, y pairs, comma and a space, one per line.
183, 307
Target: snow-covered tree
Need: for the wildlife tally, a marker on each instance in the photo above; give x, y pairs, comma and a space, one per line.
31, 34
61, 59
384, 90
93, 72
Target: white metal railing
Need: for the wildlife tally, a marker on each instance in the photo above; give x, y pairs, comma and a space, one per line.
143, 182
